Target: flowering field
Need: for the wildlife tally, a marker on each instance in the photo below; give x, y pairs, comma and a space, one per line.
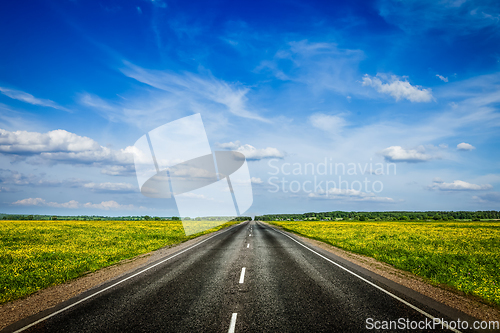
38, 254
463, 255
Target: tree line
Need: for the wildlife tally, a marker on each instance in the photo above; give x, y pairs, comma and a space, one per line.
112, 218
384, 216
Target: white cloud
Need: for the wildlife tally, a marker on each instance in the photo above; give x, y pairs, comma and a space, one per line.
399, 154
28, 98
42, 202
111, 187
193, 196
62, 146
119, 170
20, 142
349, 195
73, 204
442, 78
229, 145
397, 88
107, 205
256, 180
327, 122
252, 153
465, 146
457, 185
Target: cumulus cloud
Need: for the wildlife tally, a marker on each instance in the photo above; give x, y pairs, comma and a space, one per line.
28, 98
111, 187
465, 146
62, 146
327, 122
251, 153
20, 142
397, 88
349, 195
442, 78
457, 185
73, 204
399, 154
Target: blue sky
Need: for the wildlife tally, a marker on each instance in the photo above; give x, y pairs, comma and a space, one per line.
403, 95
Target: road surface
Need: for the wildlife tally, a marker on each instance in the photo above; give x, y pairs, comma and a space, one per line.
248, 278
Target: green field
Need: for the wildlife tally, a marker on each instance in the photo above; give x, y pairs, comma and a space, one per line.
462, 255
38, 254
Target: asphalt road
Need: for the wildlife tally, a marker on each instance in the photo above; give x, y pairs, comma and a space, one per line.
250, 278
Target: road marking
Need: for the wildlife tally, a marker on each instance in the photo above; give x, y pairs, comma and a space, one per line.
242, 276
117, 283
248, 245
374, 285
232, 325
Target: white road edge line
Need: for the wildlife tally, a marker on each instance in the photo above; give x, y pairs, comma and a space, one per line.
115, 284
232, 325
242, 275
374, 285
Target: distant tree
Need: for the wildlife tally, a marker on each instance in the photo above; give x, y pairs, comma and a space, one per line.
362, 218
175, 218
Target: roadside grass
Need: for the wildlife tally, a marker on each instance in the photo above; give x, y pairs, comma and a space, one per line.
37, 254
462, 255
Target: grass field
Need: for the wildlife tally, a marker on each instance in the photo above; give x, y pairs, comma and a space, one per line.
38, 254
463, 255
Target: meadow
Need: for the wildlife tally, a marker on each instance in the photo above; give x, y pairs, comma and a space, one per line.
38, 254
461, 255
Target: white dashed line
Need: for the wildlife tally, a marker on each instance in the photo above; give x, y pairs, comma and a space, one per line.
248, 245
242, 276
232, 325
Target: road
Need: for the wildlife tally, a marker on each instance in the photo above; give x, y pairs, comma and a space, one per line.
249, 278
